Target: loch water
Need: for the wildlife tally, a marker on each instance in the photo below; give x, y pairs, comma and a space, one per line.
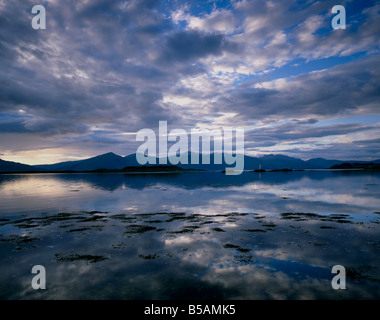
269, 235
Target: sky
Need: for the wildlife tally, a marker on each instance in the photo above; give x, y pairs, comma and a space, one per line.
103, 70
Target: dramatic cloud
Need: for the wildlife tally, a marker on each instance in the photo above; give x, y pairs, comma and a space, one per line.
346, 88
103, 70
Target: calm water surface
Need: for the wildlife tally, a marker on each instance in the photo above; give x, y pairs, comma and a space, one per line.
271, 235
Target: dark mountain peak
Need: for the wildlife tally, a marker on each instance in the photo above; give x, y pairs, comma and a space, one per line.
108, 155
276, 156
129, 156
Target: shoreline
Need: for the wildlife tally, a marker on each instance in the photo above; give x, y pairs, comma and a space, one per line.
106, 171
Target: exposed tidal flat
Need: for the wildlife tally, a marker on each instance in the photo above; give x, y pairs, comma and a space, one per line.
192, 234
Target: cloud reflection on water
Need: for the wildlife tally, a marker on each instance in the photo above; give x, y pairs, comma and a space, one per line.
218, 240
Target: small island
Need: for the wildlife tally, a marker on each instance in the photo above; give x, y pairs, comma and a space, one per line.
145, 169
259, 170
357, 166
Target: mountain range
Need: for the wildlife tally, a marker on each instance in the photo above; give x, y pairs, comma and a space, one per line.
112, 161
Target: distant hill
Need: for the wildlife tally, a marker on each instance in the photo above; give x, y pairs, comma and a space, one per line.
366, 166
104, 161
10, 166
112, 161
273, 161
269, 162
320, 163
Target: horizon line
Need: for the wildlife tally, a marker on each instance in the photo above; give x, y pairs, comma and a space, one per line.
189, 152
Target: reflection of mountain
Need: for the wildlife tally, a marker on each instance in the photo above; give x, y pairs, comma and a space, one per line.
186, 180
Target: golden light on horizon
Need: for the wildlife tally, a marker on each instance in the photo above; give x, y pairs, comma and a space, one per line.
42, 156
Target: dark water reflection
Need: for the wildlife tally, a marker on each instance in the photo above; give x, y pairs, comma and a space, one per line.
179, 236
